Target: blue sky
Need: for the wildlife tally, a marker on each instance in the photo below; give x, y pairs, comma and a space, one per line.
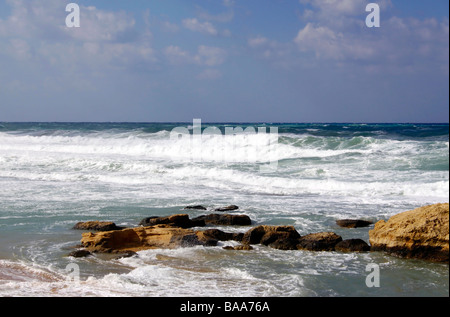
224, 60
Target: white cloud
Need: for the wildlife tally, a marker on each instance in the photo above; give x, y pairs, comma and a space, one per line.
36, 31
336, 31
197, 26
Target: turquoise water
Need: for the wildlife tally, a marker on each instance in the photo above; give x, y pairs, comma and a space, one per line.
54, 175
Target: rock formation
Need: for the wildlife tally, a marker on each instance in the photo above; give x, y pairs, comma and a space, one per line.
97, 226
421, 233
322, 241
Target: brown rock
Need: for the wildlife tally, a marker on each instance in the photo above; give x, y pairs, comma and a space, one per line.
143, 238
279, 237
352, 245
97, 226
422, 233
353, 223
228, 208
322, 241
225, 220
181, 221
220, 235
239, 247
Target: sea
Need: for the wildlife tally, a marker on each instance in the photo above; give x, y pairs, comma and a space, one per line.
306, 175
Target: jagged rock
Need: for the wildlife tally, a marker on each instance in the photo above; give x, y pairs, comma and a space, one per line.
353, 223
422, 233
97, 226
352, 245
322, 241
181, 221
280, 237
225, 220
228, 208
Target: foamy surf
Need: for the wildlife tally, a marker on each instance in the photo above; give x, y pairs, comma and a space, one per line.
55, 175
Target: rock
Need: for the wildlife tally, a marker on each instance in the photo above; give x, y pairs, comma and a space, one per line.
228, 208
143, 238
238, 247
322, 241
97, 226
80, 253
352, 245
220, 235
225, 220
279, 237
353, 223
422, 233
181, 221
196, 207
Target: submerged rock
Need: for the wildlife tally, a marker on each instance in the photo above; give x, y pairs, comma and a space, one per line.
422, 233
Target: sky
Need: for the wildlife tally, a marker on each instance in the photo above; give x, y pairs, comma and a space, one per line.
224, 61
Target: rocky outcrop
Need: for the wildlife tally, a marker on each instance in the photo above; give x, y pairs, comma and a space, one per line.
143, 238
353, 223
225, 220
278, 237
97, 226
322, 241
421, 233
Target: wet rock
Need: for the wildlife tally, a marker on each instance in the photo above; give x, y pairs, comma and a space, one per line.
352, 245
79, 253
220, 235
280, 237
143, 238
181, 221
353, 223
97, 226
322, 241
238, 247
228, 208
422, 233
196, 207
225, 220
